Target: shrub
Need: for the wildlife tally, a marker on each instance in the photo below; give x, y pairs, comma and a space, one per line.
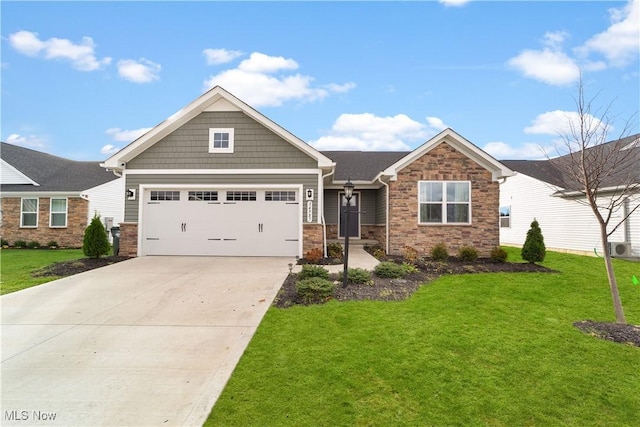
439, 252
498, 254
4, 242
315, 289
334, 250
95, 242
20, 244
409, 254
468, 254
309, 271
52, 244
377, 251
534, 249
33, 244
358, 275
314, 255
409, 268
389, 270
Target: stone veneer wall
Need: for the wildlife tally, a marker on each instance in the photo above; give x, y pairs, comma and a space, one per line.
128, 239
312, 237
443, 163
70, 236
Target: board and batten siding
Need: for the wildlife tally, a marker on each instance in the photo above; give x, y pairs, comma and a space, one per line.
133, 181
566, 224
255, 147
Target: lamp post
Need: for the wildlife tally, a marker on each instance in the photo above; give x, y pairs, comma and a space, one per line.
348, 193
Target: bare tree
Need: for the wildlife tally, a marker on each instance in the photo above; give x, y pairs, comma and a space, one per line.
600, 174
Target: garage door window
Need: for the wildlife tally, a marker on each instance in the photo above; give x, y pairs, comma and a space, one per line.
280, 196
241, 196
208, 196
165, 195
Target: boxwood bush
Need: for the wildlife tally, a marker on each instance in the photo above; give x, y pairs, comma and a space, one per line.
358, 275
309, 271
315, 289
389, 270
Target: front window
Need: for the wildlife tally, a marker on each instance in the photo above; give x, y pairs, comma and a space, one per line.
221, 140
29, 213
444, 202
58, 213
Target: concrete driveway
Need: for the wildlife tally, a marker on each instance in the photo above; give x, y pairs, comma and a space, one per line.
149, 341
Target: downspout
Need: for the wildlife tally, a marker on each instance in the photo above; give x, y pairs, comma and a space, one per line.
386, 212
324, 225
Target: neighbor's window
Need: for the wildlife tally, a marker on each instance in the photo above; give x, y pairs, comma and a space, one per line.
221, 140
58, 216
444, 202
29, 213
505, 216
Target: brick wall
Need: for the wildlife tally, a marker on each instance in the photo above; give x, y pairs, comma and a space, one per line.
71, 236
443, 163
128, 239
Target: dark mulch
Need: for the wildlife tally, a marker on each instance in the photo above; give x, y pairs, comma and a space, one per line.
624, 334
69, 268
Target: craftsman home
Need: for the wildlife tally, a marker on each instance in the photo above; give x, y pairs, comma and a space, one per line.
539, 190
220, 178
50, 199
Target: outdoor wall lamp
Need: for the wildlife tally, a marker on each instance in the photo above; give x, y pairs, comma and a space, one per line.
348, 194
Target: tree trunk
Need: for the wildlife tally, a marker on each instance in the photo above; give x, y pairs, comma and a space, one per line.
613, 283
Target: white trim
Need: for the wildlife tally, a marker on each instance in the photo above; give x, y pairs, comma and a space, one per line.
221, 150
147, 187
5, 165
203, 103
34, 194
221, 171
340, 194
66, 212
37, 212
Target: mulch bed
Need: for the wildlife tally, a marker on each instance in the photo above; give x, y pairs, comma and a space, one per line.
69, 268
624, 334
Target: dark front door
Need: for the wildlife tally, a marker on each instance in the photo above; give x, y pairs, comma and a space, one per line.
354, 215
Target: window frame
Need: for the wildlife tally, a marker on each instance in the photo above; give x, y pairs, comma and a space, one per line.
444, 202
22, 212
213, 132
51, 212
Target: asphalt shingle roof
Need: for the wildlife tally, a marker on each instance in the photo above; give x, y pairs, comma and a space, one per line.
362, 165
51, 172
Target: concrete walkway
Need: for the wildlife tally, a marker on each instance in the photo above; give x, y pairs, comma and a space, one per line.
358, 258
147, 342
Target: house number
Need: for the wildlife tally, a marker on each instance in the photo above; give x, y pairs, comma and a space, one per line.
309, 211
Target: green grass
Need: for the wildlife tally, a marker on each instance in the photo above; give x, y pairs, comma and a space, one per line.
18, 264
468, 350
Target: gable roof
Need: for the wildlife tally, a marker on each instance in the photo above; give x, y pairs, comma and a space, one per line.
215, 99
362, 165
548, 171
455, 140
51, 173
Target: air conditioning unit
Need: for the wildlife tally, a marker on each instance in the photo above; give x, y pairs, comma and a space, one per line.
620, 249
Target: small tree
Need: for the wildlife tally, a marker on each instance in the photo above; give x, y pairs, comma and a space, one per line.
534, 249
95, 242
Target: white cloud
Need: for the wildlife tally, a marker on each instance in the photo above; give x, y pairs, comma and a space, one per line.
436, 123
109, 149
82, 55
220, 56
503, 151
620, 43
559, 122
263, 80
141, 71
368, 132
548, 65
121, 135
30, 141
454, 3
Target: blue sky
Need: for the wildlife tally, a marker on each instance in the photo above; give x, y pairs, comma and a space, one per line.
83, 79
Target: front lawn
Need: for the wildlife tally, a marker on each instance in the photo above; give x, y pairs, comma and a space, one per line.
495, 349
18, 264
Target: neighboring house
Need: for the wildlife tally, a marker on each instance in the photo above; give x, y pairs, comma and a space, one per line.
540, 191
46, 198
220, 178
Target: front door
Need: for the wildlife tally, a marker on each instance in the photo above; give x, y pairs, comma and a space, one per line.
354, 215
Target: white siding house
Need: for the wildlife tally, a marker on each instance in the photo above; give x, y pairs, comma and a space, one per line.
106, 200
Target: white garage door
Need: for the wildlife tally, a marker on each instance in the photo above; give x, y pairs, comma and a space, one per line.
221, 222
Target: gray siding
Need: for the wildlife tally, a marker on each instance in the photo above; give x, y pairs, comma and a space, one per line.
368, 207
381, 206
255, 147
134, 181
